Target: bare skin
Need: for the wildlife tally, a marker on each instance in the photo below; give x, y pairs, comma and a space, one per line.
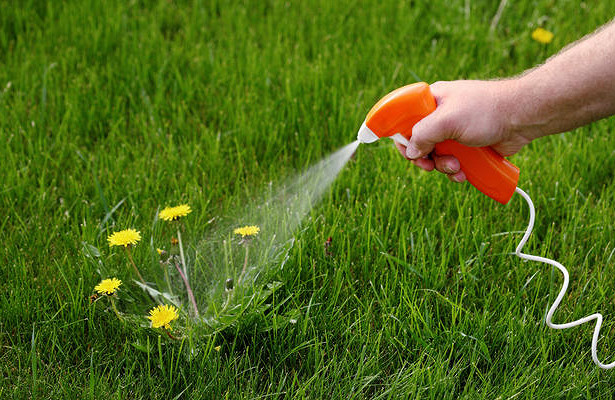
573, 88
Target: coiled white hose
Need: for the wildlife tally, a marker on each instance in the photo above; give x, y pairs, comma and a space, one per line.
560, 296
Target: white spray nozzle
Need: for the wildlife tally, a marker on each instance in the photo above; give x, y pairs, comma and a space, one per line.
366, 135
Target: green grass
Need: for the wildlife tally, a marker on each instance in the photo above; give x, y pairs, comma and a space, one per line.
110, 110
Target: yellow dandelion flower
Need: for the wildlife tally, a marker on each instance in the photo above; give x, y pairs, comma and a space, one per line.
161, 316
217, 348
174, 213
249, 230
124, 238
108, 286
542, 35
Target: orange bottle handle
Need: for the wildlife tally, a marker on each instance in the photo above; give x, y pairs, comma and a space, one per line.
485, 169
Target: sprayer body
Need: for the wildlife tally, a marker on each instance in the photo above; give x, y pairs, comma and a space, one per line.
397, 112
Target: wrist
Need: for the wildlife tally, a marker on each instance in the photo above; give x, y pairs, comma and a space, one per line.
520, 109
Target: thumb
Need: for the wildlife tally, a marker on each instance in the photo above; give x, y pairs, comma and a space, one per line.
426, 133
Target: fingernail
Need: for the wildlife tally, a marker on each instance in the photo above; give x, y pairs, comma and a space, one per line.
459, 177
412, 153
451, 167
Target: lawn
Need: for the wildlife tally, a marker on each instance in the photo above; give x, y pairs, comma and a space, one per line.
398, 284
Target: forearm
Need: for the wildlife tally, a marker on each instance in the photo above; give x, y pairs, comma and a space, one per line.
573, 88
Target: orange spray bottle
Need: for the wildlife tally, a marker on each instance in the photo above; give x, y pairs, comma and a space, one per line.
397, 112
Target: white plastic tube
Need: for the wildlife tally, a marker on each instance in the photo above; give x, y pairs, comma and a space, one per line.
560, 296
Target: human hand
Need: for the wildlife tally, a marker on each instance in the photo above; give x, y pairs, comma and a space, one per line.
474, 113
